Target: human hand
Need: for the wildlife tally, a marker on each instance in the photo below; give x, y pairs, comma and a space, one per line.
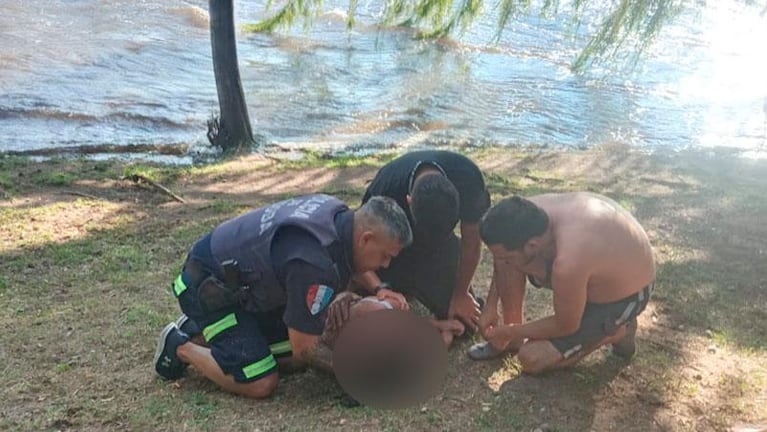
396, 299
499, 336
464, 307
340, 310
488, 319
451, 326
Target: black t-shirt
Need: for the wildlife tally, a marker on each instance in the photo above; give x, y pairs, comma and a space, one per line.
310, 274
395, 178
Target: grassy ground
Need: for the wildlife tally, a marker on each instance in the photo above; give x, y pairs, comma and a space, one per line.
86, 259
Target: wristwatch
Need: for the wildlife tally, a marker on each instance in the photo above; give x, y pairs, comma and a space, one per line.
382, 285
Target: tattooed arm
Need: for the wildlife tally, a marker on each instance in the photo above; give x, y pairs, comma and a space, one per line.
311, 350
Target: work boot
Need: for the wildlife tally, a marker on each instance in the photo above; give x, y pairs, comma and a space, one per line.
626, 347
166, 361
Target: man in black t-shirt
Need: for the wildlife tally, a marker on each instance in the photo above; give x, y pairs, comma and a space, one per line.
436, 189
257, 288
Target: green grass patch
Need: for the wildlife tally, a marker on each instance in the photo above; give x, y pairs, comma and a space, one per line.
500, 185
202, 406
349, 195
63, 367
314, 159
8, 163
188, 233
127, 257
157, 410
46, 178
6, 183
144, 315
158, 173
72, 253
226, 207
501, 414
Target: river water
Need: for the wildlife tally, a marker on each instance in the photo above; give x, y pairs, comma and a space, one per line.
88, 72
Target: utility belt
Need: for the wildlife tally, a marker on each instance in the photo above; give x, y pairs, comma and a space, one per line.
234, 291
213, 294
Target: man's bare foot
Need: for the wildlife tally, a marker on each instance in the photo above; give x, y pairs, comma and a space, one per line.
626, 347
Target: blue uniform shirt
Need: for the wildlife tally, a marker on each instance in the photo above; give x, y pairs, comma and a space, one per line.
311, 274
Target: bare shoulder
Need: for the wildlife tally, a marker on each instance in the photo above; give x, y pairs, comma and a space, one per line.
548, 201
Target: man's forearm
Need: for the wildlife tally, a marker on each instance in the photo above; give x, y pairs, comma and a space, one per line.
471, 250
542, 329
319, 356
369, 281
470, 255
511, 290
310, 350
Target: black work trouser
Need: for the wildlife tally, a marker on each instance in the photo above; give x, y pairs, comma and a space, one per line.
427, 272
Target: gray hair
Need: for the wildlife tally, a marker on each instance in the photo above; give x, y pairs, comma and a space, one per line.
384, 212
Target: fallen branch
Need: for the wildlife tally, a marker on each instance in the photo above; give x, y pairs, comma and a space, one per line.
137, 178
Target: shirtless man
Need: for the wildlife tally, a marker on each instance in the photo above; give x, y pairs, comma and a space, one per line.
595, 257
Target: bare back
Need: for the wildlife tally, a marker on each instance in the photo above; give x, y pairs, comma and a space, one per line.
604, 240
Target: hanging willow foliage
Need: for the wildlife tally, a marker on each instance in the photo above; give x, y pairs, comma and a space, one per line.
622, 26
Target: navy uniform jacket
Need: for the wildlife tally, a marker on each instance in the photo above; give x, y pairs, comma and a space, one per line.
294, 254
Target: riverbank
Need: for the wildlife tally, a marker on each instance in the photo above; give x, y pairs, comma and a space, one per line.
89, 249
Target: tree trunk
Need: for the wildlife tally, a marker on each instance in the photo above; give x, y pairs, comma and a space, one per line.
231, 131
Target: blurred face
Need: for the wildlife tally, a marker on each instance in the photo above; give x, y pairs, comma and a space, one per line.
374, 250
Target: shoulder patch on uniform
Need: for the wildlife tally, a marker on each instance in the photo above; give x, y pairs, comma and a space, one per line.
318, 298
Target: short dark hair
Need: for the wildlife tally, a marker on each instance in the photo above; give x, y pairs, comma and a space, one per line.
434, 206
512, 222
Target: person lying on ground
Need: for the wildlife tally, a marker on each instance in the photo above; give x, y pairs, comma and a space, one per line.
384, 358
595, 257
349, 305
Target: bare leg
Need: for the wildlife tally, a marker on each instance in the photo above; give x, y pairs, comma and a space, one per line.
512, 314
202, 360
541, 356
626, 347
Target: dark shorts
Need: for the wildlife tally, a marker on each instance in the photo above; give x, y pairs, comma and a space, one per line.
244, 344
601, 320
427, 272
